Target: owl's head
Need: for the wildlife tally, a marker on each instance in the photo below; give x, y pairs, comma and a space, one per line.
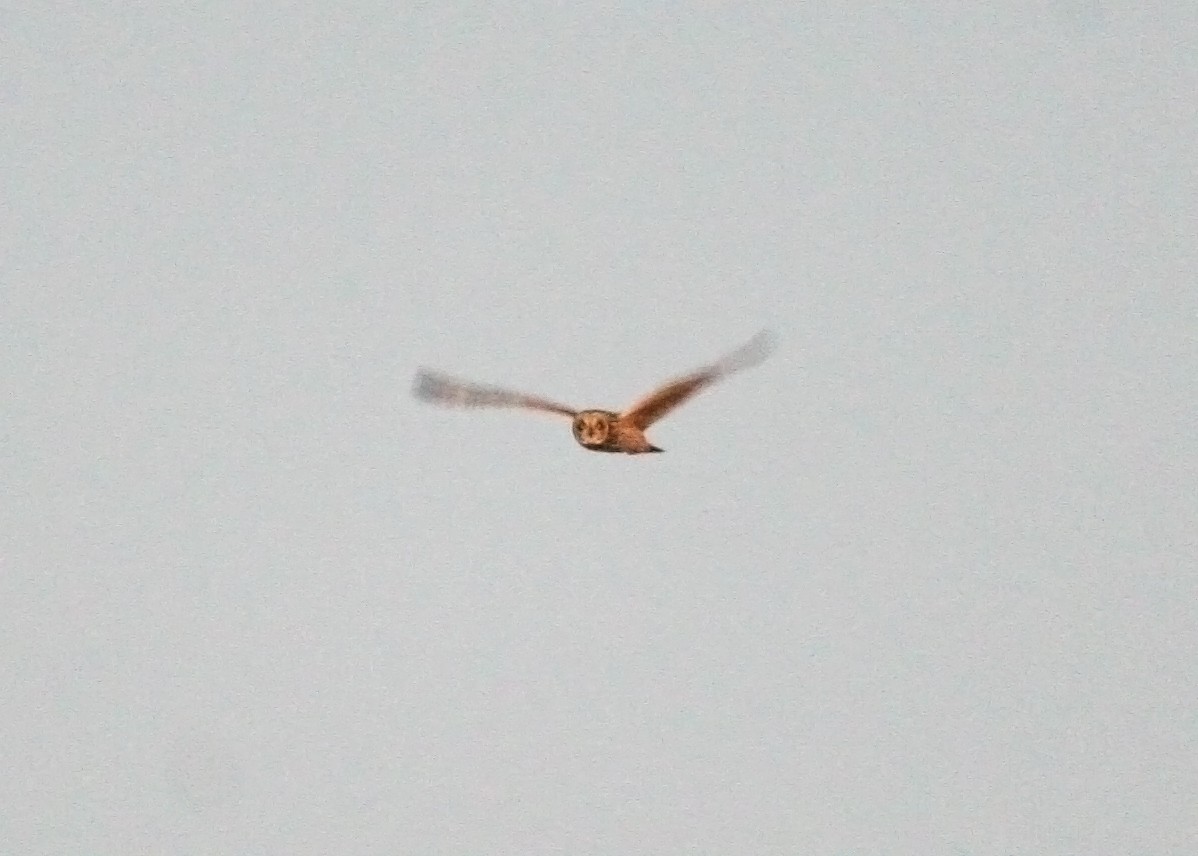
593, 427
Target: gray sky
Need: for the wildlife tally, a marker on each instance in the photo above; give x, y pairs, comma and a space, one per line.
923, 583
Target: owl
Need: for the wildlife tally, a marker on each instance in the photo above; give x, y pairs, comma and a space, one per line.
599, 430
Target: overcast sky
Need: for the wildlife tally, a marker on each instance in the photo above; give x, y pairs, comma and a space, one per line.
922, 583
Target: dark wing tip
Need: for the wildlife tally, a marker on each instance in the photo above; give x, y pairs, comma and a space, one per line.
751, 353
424, 385
437, 388
755, 351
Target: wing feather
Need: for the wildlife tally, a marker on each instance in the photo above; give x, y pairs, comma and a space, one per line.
661, 401
447, 391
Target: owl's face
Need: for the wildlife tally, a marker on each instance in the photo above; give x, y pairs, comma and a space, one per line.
592, 428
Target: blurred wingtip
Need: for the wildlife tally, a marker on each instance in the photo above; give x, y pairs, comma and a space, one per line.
764, 342
424, 384
752, 352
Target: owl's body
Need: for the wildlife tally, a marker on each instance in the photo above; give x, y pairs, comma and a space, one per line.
604, 431
597, 430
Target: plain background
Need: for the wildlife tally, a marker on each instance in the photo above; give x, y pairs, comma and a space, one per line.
923, 583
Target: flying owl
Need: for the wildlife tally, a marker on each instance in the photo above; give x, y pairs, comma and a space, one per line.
598, 430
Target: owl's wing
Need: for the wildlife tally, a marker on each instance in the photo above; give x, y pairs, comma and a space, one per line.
661, 401
451, 392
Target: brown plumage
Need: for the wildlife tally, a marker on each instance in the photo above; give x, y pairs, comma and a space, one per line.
598, 430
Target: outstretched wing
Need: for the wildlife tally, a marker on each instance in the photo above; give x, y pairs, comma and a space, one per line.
451, 392
661, 401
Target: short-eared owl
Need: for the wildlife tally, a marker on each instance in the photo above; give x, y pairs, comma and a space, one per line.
598, 430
